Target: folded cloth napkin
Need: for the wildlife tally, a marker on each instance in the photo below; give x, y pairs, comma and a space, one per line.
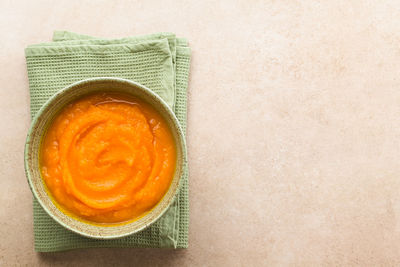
160, 62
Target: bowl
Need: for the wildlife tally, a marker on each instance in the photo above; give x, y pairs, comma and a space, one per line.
38, 129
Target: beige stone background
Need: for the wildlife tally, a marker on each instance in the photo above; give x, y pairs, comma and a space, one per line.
293, 129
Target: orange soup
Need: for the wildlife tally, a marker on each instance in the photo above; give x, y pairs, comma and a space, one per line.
108, 158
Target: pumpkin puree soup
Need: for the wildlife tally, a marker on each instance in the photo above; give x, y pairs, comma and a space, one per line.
108, 158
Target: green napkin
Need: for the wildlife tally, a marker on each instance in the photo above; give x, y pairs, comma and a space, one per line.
160, 62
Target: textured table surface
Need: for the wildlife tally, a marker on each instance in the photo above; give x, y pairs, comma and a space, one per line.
293, 128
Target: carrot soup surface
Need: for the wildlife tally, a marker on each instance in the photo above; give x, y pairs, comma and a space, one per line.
108, 158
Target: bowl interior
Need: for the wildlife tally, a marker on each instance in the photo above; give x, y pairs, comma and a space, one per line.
45, 116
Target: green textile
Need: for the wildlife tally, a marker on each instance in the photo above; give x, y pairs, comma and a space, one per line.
160, 62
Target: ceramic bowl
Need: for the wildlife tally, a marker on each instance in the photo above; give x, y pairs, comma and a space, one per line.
38, 129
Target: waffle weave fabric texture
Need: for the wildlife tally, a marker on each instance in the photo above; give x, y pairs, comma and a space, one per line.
158, 61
